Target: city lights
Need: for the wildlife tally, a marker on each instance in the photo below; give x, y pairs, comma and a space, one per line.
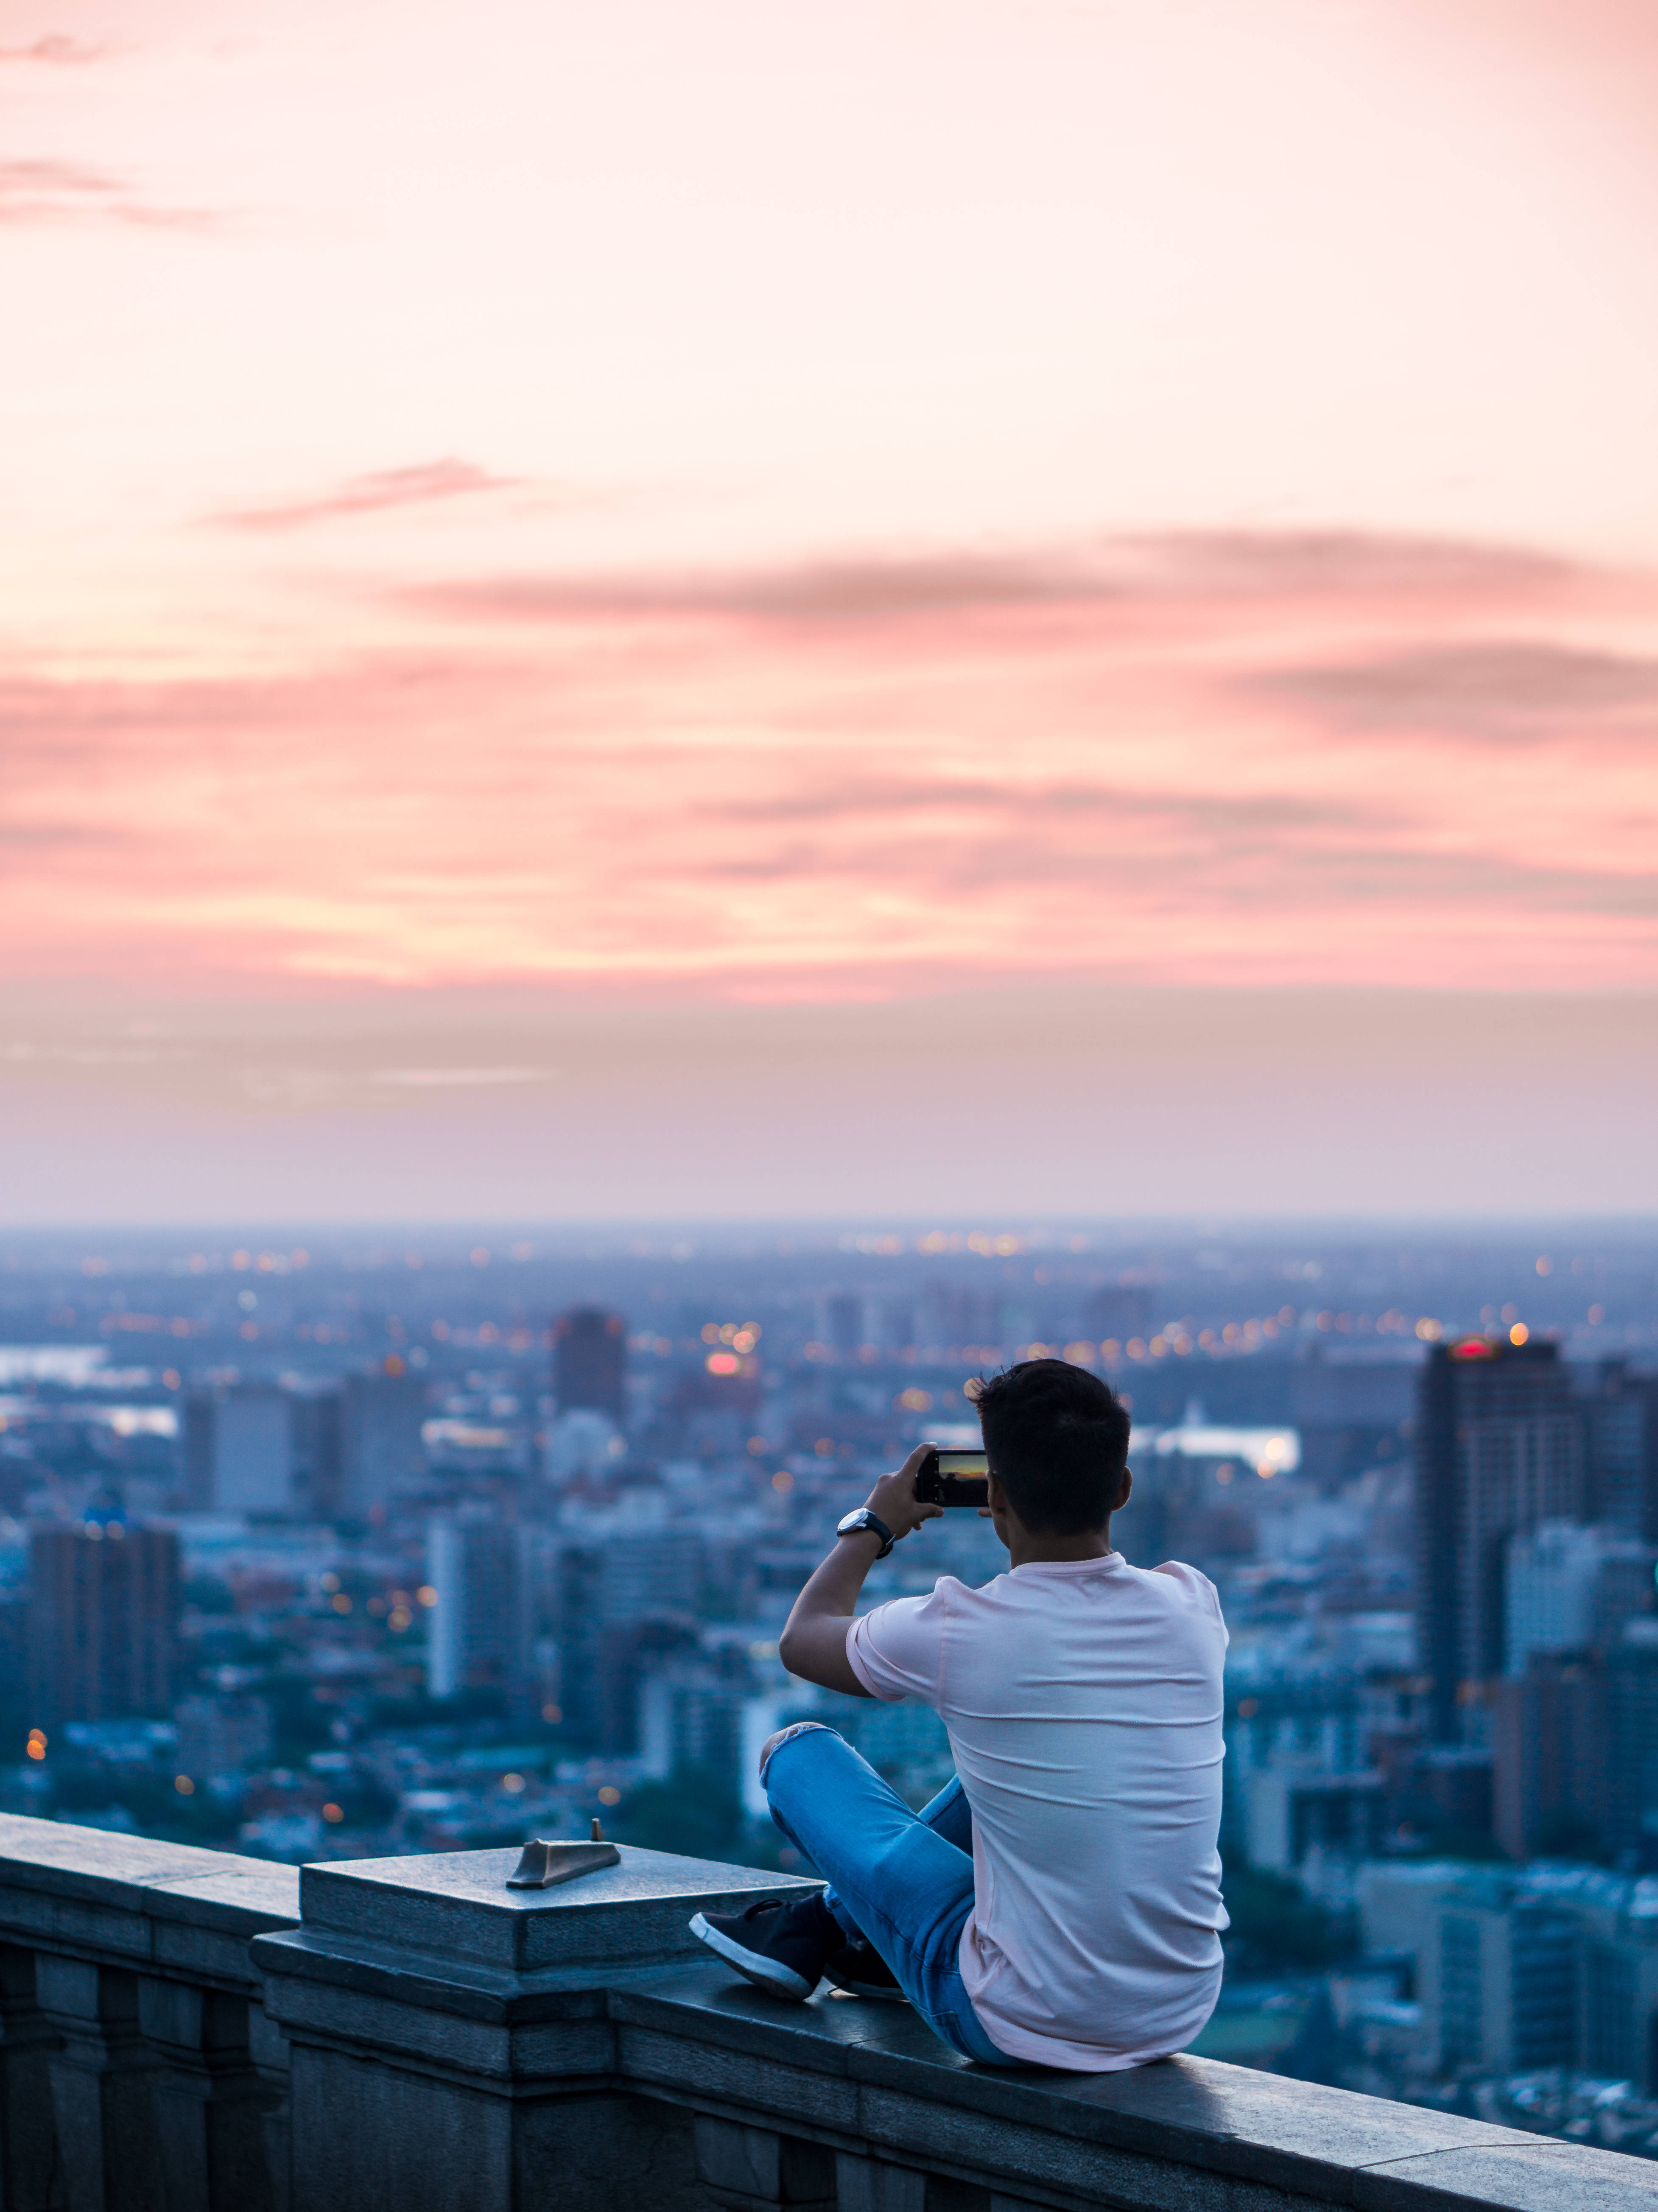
573, 1529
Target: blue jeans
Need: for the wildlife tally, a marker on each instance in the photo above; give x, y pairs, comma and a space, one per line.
904, 1880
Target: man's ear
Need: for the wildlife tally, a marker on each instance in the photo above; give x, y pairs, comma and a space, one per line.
1128, 1485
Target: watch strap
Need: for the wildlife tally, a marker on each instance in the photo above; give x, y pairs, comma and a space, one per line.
867, 1519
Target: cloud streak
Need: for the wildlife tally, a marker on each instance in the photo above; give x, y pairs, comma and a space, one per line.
1275, 770
379, 492
55, 191
1505, 692
1354, 567
56, 50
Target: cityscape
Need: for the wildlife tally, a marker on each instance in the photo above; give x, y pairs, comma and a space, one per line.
715, 721
363, 1544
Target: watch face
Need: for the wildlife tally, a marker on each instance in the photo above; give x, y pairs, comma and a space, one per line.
858, 1518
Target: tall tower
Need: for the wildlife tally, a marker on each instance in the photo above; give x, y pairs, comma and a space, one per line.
239, 1449
103, 1622
1498, 1446
590, 1353
1622, 1443
478, 1635
381, 1450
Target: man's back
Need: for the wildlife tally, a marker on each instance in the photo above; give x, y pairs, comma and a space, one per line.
1083, 1699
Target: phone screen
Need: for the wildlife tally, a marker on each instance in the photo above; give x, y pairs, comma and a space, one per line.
972, 1464
954, 1478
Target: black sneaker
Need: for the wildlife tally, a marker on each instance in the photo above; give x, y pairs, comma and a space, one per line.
782, 1947
861, 1972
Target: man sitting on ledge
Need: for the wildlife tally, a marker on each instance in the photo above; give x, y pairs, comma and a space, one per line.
1058, 1903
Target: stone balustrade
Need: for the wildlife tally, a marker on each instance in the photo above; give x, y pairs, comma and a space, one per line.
187, 2031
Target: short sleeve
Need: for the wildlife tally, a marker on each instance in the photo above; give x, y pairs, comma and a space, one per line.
1198, 1586
896, 1650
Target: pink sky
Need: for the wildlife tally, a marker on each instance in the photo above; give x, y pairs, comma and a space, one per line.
520, 525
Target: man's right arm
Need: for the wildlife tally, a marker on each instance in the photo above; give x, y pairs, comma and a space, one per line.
813, 1644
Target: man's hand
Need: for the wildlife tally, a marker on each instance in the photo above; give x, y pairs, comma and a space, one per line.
814, 1642
894, 1500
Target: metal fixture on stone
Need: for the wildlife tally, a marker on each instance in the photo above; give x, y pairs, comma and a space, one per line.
544, 1864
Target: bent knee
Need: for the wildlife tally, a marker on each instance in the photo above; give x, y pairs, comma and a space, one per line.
780, 1736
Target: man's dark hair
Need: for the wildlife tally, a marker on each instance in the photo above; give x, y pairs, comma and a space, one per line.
1057, 1438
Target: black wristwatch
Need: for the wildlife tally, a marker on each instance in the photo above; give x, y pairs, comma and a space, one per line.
863, 1518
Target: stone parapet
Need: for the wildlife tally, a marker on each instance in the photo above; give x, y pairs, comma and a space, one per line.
189, 2032
138, 2066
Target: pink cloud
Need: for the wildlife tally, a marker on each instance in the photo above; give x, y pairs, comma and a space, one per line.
375, 493
1170, 569
56, 50
52, 192
1496, 692
940, 772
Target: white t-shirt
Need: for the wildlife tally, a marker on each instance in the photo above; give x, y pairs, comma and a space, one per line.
1083, 1699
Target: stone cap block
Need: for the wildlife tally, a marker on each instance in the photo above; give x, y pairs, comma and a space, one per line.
97, 1867
93, 1895
456, 1904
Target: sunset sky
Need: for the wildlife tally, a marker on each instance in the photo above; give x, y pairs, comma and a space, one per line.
1047, 607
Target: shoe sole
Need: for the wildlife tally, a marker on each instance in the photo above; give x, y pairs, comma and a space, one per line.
769, 1974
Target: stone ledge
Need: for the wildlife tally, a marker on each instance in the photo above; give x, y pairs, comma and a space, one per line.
882, 2078
131, 1901
529, 2021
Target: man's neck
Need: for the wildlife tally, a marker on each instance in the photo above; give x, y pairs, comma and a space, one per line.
1026, 1550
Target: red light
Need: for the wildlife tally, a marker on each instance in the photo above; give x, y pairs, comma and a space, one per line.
1473, 1348
722, 1363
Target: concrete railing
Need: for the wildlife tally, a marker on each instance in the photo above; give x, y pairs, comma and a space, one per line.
181, 2031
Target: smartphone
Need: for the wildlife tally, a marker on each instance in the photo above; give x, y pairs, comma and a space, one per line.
952, 1478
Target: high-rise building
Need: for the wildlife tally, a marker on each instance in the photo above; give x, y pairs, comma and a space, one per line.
318, 1418
1629, 1671
1351, 1409
691, 1711
1507, 1985
382, 1450
1568, 1586
897, 1326
581, 1446
843, 1322
953, 1316
1569, 1771
610, 1595
1622, 1449
1549, 1757
1498, 1447
478, 1631
589, 1363
1554, 1965
239, 1449
1117, 1313
103, 1622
